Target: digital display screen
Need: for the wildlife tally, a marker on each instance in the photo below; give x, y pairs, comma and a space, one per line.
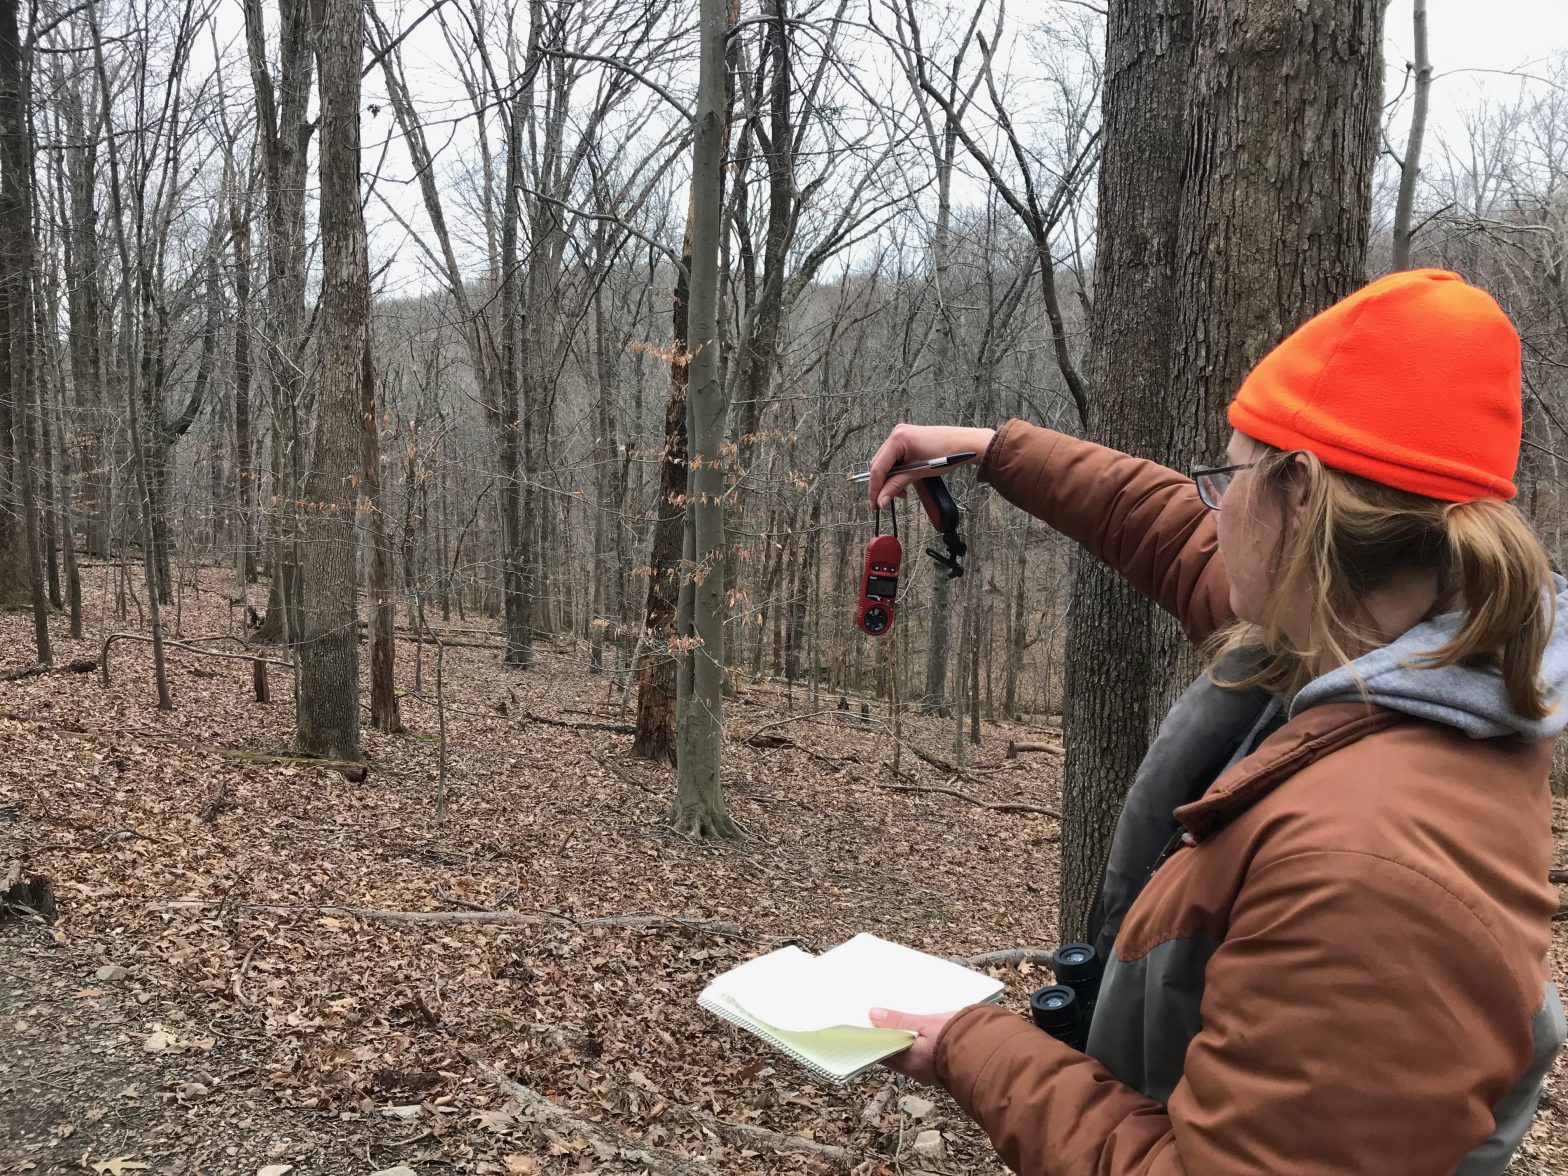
880, 586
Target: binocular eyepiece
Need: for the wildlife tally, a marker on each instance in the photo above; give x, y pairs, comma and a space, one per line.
1064, 1009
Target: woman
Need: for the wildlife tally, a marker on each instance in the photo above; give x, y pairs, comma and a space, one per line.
1327, 894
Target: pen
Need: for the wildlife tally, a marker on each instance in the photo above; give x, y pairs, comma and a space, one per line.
935, 463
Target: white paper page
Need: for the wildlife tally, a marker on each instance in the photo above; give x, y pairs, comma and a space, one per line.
841, 986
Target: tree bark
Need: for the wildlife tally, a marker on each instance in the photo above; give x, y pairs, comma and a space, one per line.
655, 737
1410, 165
1106, 700
383, 613
327, 649
699, 799
284, 132
20, 549
1217, 237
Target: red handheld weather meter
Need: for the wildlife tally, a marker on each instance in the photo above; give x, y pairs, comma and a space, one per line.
879, 585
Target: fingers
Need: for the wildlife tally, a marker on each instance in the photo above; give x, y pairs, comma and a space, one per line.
888, 1019
889, 455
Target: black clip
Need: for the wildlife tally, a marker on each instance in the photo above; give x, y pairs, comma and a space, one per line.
943, 512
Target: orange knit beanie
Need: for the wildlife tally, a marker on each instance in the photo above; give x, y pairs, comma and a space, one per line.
1412, 381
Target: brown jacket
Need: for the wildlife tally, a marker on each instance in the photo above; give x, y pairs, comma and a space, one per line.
1355, 926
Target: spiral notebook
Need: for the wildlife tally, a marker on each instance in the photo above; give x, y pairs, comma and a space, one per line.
815, 1008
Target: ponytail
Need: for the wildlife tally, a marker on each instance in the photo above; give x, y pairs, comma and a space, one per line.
1502, 575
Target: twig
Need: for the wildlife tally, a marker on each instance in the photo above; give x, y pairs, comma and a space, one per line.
239, 977
618, 728
1006, 806
799, 719
750, 1135
548, 1114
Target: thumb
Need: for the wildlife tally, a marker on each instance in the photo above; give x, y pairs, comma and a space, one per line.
888, 1019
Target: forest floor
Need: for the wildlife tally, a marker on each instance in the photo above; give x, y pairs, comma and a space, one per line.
168, 1023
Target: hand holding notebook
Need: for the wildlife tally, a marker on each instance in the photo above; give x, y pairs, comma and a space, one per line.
817, 1008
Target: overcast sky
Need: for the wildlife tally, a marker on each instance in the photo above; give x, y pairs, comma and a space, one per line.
1479, 49
1482, 34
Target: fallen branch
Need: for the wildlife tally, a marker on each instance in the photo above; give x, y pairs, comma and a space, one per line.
239, 977
794, 719
82, 665
618, 728
872, 1111
748, 1135
1014, 748
1557, 877
1013, 956
605, 1139
168, 643
355, 772
482, 918
216, 803
1004, 806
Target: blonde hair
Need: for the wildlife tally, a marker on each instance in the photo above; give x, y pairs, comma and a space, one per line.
1354, 535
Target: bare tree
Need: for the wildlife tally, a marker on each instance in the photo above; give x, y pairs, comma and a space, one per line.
327, 649
1410, 162
699, 798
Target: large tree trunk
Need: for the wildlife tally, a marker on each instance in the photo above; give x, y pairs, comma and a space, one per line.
327, 651
655, 732
516, 597
20, 547
1105, 705
699, 797
244, 459
84, 300
383, 612
1216, 238
282, 126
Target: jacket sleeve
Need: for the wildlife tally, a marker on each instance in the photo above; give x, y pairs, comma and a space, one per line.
1144, 520
1355, 1020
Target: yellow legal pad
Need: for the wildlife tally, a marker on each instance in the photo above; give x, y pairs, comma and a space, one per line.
815, 1008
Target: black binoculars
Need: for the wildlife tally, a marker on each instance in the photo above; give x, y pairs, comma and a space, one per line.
1064, 1009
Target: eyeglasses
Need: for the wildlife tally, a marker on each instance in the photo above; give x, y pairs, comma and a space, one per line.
1212, 483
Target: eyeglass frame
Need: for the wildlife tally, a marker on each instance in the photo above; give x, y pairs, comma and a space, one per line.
1199, 473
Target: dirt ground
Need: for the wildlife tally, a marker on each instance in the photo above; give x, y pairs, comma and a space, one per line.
167, 1023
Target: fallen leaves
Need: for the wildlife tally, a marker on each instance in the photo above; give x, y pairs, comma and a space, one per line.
380, 1020
160, 1040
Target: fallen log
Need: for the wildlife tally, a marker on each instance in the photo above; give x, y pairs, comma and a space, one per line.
482, 918
1001, 806
31, 896
82, 665
1016, 748
605, 1140
618, 728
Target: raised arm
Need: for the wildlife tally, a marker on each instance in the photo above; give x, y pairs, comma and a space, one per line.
1145, 521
